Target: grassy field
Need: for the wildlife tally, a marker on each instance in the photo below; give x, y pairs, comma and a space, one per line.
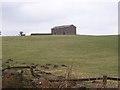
88, 55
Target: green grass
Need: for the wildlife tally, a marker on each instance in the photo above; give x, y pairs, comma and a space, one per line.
90, 55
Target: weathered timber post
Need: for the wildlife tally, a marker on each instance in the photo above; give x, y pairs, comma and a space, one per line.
32, 72
118, 85
104, 81
20, 73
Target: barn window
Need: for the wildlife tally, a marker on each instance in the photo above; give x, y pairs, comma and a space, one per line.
63, 33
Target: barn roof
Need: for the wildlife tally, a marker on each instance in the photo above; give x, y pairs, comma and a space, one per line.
63, 26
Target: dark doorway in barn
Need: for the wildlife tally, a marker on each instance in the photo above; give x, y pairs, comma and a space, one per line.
63, 33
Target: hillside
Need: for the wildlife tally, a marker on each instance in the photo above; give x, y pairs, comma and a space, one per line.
89, 55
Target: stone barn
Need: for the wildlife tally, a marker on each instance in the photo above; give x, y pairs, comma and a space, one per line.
64, 30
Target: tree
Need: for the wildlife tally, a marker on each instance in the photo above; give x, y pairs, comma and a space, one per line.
21, 33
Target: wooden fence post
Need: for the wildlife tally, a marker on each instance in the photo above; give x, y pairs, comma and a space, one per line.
104, 81
118, 85
32, 72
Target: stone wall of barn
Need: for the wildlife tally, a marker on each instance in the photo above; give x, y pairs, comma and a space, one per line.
71, 30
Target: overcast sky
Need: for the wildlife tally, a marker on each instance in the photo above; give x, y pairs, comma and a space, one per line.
91, 17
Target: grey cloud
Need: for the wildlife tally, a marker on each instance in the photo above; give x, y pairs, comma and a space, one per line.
89, 17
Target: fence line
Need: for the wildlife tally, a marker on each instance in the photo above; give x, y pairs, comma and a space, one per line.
86, 79
104, 78
59, 80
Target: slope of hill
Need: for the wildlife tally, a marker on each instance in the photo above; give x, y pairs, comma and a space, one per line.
92, 55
